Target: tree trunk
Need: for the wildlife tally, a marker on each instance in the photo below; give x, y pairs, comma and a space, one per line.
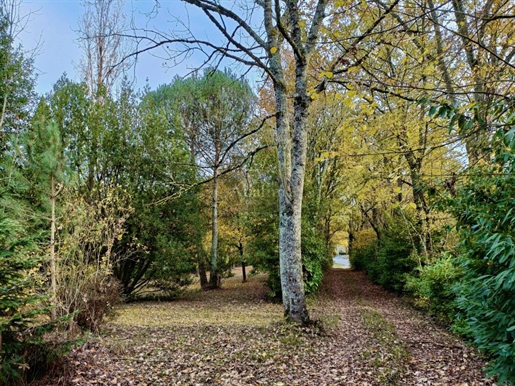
291, 245
201, 259
214, 278
423, 225
476, 141
290, 254
243, 271
283, 151
53, 280
2, 114
204, 283
291, 147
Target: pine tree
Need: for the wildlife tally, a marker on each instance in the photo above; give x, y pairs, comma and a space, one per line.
46, 165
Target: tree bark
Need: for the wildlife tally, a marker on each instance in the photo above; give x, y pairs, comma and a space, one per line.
243, 271
214, 278
53, 279
2, 114
204, 283
243, 265
476, 140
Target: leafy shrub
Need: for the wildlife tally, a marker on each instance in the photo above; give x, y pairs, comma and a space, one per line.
431, 287
395, 260
19, 305
314, 257
99, 294
23, 346
85, 285
172, 267
387, 262
360, 259
263, 246
363, 249
485, 212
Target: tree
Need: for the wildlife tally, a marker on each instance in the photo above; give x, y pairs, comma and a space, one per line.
17, 311
20, 303
46, 163
16, 80
133, 146
296, 25
458, 55
101, 38
215, 110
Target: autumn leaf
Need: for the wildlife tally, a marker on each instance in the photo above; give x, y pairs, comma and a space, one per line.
182, 346
411, 205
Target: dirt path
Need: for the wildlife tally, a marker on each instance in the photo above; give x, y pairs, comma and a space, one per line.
234, 337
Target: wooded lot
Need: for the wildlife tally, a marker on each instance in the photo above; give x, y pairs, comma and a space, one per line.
383, 128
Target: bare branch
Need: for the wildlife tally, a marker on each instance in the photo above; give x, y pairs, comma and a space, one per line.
245, 135
217, 8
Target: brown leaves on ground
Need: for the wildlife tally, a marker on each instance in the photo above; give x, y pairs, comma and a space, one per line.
232, 336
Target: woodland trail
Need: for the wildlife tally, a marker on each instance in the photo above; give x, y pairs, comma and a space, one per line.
234, 337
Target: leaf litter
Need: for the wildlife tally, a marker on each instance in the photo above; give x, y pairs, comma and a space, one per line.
363, 336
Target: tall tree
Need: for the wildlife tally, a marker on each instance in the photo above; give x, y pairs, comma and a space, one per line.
131, 144
297, 25
101, 30
216, 111
46, 162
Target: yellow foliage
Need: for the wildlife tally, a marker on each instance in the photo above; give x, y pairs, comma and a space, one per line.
327, 74
364, 238
411, 205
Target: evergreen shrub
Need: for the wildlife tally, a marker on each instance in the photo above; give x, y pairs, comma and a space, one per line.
485, 212
314, 258
431, 287
387, 262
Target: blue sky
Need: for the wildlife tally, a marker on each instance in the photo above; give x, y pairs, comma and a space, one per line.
53, 24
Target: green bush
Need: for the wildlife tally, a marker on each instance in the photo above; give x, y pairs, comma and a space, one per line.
485, 212
22, 336
389, 261
361, 258
395, 260
314, 258
431, 287
172, 268
16, 297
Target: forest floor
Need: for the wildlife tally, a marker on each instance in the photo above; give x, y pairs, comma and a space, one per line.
233, 336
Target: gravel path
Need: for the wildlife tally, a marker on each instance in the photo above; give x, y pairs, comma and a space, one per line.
365, 336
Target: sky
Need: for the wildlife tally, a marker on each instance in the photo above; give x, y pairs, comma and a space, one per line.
53, 25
